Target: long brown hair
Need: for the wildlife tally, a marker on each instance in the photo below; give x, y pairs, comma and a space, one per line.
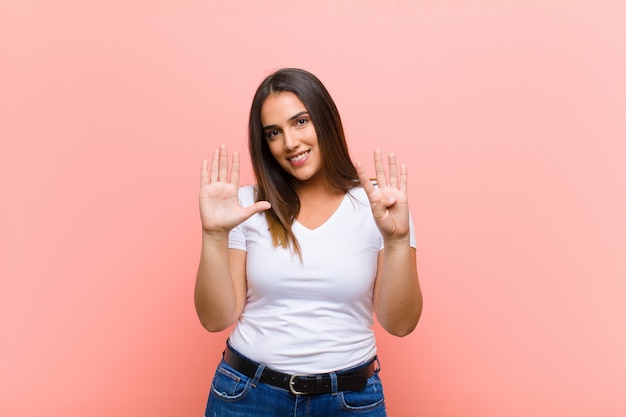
274, 183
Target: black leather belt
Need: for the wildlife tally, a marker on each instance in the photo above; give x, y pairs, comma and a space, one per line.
303, 384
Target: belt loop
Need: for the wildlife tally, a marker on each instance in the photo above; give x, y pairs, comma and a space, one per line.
334, 386
377, 369
257, 375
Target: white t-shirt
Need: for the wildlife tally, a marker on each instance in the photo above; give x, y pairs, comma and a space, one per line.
312, 316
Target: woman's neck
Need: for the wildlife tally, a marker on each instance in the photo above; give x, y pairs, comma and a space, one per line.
318, 202
316, 189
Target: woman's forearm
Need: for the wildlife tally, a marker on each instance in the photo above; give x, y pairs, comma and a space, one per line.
398, 299
216, 294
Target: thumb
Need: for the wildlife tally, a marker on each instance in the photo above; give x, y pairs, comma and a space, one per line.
385, 202
257, 207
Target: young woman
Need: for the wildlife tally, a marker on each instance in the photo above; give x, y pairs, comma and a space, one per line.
301, 261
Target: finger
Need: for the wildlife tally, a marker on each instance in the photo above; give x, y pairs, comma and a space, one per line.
234, 169
204, 175
393, 171
404, 179
364, 178
214, 165
380, 169
223, 166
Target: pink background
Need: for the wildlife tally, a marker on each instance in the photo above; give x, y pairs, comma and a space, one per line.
510, 115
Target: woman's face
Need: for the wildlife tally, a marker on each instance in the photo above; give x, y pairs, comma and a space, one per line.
291, 135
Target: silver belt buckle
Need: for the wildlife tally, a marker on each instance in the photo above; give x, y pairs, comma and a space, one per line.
292, 382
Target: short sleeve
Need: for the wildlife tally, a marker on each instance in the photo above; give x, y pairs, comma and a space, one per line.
237, 236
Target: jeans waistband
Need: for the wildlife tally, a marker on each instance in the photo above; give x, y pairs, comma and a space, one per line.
352, 379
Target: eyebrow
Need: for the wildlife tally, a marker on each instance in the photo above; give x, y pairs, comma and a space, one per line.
291, 119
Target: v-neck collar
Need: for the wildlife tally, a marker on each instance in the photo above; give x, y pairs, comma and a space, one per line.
327, 222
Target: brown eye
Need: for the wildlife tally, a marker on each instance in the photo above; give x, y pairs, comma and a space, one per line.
271, 134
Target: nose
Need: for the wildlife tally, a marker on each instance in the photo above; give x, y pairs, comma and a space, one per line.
292, 141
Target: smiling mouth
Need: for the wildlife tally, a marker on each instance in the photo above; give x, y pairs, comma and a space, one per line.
299, 157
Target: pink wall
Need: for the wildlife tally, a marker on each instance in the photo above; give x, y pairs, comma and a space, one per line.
511, 116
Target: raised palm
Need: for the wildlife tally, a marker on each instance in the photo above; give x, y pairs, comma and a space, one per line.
388, 201
220, 210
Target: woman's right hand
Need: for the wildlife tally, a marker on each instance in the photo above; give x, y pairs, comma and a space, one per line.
220, 210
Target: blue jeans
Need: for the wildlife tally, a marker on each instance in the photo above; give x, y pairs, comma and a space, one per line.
236, 395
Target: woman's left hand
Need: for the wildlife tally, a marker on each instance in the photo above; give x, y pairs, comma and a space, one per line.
389, 201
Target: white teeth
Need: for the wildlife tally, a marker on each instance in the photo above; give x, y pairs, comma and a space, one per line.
299, 157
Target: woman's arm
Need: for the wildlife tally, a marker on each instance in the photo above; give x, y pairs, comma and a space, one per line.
220, 289
397, 293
